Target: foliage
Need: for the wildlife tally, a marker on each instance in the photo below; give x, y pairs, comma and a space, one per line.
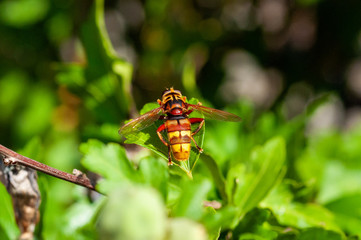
267, 177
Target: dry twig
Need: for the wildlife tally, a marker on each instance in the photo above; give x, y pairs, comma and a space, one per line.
10, 158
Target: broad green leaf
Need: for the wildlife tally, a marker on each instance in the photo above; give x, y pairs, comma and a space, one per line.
347, 210
190, 202
249, 186
216, 220
199, 138
234, 176
155, 173
81, 216
338, 181
108, 160
253, 222
8, 228
295, 214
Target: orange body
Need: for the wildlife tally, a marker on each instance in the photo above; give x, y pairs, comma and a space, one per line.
179, 137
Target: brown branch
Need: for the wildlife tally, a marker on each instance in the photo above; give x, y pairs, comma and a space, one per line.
10, 157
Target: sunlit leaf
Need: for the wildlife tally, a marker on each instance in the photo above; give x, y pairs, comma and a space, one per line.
110, 161
347, 211
81, 216
295, 214
217, 220
253, 223
250, 186
190, 202
155, 173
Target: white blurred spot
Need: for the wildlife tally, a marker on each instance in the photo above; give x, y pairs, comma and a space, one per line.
329, 116
272, 15
245, 79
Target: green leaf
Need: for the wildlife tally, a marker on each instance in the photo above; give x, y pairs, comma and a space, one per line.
190, 202
216, 173
319, 234
81, 215
8, 227
110, 161
347, 210
253, 223
155, 173
290, 213
338, 181
215, 220
246, 187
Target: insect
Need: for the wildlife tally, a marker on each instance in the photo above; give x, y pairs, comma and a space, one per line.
174, 110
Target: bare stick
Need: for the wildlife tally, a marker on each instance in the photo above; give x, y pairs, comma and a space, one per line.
11, 157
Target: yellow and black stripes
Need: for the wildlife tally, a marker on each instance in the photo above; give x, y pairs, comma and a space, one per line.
179, 135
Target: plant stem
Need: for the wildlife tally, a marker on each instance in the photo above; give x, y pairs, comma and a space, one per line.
11, 157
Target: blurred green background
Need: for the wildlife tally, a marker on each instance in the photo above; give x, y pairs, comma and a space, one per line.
71, 71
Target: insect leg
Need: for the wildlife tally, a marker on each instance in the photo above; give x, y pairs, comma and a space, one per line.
159, 130
197, 120
199, 149
201, 121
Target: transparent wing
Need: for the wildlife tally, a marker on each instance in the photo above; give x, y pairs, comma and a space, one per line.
141, 122
215, 114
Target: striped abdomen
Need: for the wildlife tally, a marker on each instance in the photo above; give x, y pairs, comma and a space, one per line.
179, 135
